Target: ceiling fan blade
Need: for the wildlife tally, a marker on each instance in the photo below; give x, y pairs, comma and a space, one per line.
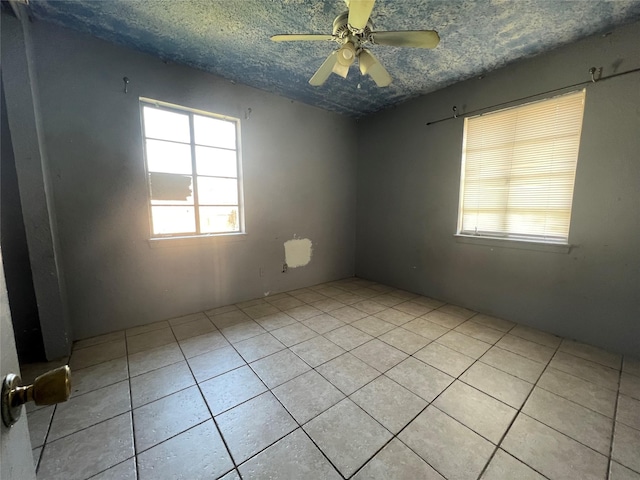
359, 13
370, 65
408, 38
324, 71
301, 37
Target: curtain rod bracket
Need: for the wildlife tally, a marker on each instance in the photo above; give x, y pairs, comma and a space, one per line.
455, 112
126, 84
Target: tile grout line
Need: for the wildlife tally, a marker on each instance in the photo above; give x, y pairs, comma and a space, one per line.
615, 415
518, 412
133, 425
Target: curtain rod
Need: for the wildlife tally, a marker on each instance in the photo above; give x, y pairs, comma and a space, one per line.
592, 71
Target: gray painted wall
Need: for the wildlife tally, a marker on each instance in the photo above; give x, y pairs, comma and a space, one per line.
408, 188
299, 176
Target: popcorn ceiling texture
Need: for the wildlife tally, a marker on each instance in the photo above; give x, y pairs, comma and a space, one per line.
230, 38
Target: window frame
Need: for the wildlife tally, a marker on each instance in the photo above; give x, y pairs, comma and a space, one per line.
190, 112
516, 240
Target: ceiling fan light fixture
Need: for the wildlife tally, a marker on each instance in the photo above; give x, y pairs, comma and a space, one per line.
347, 54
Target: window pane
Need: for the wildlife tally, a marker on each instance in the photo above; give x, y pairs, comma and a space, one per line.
216, 162
166, 125
173, 220
217, 191
168, 157
219, 219
214, 132
168, 189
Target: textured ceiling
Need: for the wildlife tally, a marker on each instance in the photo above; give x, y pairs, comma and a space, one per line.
230, 38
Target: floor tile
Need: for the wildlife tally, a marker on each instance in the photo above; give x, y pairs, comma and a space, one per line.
148, 360
232, 475
307, 396
586, 426
251, 303
254, 425
98, 376
90, 342
379, 355
420, 378
149, 327
429, 302
587, 370
330, 291
493, 322
230, 389
628, 411
619, 472
88, 451
39, 422
630, 385
159, 383
348, 337
594, 354
347, 436
389, 300
278, 368
123, 471
457, 311
293, 457
242, 331
197, 453
149, 340
587, 394
323, 323
404, 340
195, 346
85, 410
536, 336
310, 297
262, 310
443, 358
187, 318
275, 321
317, 351
258, 347
393, 316
347, 373
626, 445
631, 365
514, 364
86, 357
220, 310
412, 308
370, 307
160, 420
528, 349
293, 334
480, 332
505, 467
193, 328
389, 403
397, 462
229, 319
373, 326
443, 319
498, 384
464, 344
425, 328
551, 453
452, 449
404, 294
348, 314
303, 312
327, 305
481, 413
216, 362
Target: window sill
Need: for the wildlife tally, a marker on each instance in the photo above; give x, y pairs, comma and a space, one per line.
162, 242
513, 243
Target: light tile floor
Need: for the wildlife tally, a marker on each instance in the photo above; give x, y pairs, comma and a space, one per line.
348, 379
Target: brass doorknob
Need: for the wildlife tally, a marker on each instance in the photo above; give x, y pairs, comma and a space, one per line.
47, 389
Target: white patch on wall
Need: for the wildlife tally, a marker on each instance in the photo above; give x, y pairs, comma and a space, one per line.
297, 252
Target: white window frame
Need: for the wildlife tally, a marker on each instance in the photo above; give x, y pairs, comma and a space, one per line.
505, 237
198, 234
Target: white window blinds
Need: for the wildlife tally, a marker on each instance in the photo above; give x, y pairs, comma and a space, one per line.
518, 170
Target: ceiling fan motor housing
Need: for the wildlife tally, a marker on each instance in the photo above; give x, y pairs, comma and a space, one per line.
341, 28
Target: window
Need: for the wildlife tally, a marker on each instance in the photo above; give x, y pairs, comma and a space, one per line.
518, 170
193, 168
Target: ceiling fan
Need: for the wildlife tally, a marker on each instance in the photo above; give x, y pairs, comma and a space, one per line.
353, 29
